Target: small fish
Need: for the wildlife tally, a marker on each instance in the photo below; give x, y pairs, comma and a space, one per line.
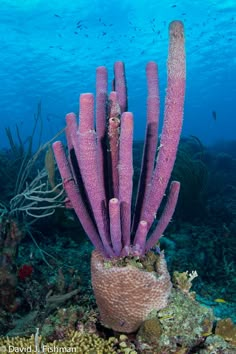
166, 317
214, 115
206, 334
220, 301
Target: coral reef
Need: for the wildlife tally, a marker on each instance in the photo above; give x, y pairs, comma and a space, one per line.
216, 344
45, 283
227, 330
55, 321
75, 342
182, 324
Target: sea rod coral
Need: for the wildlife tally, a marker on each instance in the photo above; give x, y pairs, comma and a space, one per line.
97, 177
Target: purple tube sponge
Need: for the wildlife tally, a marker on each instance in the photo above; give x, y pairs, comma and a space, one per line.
98, 171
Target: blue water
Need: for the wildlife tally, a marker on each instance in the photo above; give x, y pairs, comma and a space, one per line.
49, 51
